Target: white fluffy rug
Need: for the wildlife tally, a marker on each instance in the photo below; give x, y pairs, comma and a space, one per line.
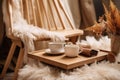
96, 71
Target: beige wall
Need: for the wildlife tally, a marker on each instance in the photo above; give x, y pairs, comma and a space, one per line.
83, 12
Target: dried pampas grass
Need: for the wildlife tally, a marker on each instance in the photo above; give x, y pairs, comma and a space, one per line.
111, 23
112, 18
97, 28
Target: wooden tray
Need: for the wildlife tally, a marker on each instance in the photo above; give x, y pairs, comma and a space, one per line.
65, 62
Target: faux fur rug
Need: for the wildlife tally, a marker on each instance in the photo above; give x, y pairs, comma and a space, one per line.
96, 71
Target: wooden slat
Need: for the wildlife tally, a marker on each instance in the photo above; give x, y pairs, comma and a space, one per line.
66, 33
33, 12
62, 16
10, 13
70, 33
44, 16
47, 12
56, 16
31, 15
21, 7
40, 20
58, 12
26, 10
66, 15
52, 14
38, 14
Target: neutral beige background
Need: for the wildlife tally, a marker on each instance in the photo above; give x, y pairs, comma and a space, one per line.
83, 12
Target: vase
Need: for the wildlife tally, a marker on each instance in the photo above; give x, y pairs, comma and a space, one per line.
115, 44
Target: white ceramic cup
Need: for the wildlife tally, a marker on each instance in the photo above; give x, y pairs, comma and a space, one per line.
71, 50
56, 47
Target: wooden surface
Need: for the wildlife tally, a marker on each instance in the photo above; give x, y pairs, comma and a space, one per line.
65, 62
70, 33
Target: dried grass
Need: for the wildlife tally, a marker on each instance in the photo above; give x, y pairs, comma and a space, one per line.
111, 24
112, 18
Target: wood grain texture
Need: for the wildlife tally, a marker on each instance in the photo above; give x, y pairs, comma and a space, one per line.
65, 62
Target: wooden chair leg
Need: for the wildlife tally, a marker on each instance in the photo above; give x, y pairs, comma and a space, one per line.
19, 63
9, 58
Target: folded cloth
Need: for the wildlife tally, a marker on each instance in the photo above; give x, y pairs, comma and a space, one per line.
89, 52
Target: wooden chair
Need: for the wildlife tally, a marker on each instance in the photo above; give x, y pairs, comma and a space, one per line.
47, 14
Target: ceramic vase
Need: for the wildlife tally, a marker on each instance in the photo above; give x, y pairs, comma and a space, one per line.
115, 44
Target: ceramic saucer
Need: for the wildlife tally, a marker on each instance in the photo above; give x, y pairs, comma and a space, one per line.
48, 51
